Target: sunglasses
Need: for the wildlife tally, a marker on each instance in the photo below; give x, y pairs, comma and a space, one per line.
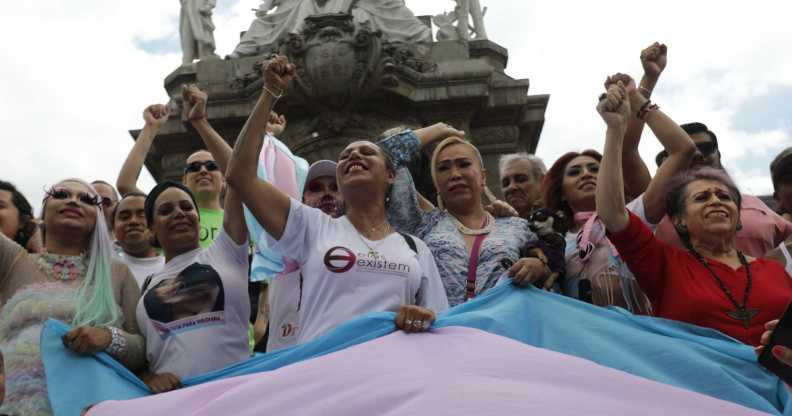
65, 193
706, 149
193, 167
106, 202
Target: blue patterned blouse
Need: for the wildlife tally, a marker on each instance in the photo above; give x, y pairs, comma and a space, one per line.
437, 229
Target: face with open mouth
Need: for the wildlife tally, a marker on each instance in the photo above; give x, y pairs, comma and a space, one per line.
710, 208
580, 183
362, 163
202, 174
460, 176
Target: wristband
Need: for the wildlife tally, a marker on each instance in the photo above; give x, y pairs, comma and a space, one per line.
198, 117
646, 90
275, 96
118, 343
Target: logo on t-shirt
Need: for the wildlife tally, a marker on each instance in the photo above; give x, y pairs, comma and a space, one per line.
193, 299
339, 259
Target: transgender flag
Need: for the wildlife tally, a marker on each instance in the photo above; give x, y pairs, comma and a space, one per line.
510, 351
279, 166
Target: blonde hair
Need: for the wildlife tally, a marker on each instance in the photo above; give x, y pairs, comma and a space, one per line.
453, 140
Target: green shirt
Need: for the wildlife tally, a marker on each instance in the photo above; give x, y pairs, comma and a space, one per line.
211, 224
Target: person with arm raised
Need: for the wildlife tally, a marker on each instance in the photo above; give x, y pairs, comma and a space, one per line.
709, 283
353, 264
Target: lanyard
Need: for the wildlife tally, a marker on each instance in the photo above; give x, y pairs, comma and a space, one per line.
470, 288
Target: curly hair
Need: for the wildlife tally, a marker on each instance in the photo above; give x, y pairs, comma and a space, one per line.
26, 225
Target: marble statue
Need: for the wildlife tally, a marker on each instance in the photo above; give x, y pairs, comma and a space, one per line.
277, 18
197, 30
469, 18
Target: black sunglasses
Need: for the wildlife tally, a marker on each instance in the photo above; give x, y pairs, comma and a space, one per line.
65, 193
193, 167
706, 149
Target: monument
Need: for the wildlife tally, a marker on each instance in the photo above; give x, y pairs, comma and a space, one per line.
364, 67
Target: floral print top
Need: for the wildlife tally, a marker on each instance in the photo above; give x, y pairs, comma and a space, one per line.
438, 230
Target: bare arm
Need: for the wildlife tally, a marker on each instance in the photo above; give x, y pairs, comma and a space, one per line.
614, 109
437, 131
155, 117
654, 60
681, 151
196, 114
268, 204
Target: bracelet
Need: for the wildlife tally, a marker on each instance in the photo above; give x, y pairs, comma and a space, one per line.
647, 108
198, 117
275, 96
646, 90
118, 343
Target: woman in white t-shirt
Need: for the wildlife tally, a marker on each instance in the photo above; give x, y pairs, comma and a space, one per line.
353, 264
194, 311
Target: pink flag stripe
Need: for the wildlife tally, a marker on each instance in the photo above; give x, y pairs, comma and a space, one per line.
451, 371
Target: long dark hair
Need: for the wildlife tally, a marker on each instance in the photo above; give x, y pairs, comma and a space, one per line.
26, 225
553, 186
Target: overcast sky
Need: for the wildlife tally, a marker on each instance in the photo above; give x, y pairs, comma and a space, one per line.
76, 76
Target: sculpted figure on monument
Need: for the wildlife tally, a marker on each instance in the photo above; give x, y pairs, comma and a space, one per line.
275, 19
197, 30
469, 18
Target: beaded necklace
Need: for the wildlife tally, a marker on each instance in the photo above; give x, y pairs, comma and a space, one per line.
741, 312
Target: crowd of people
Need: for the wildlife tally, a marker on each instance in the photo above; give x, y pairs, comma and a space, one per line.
161, 280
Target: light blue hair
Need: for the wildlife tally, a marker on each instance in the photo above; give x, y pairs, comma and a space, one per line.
96, 303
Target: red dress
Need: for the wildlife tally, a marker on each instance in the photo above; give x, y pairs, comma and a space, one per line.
681, 288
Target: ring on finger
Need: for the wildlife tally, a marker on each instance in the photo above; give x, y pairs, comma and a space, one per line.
418, 324
408, 322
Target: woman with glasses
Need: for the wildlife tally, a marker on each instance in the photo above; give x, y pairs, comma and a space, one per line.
595, 272
76, 280
203, 171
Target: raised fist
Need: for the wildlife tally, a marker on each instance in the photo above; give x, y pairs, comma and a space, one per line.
614, 107
654, 59
278, 73
193, 103
156, 115
626, 80
276, 123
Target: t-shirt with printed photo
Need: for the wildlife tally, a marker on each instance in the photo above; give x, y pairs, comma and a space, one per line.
346, 275
194, 312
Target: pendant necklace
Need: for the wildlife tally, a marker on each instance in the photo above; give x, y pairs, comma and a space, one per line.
740, 312
372, 250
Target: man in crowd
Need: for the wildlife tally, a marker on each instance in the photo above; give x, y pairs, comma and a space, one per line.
133, 236
762, 229
521, 177
781, 173
109, 200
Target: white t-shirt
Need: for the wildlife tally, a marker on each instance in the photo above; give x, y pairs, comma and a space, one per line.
284, 304
142, 267
341, 281
194, 313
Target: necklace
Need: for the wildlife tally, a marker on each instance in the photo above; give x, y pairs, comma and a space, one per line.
486, 227
372, 250
62, 267
740, 313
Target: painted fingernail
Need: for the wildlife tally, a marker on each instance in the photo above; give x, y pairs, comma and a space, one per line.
778, 350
